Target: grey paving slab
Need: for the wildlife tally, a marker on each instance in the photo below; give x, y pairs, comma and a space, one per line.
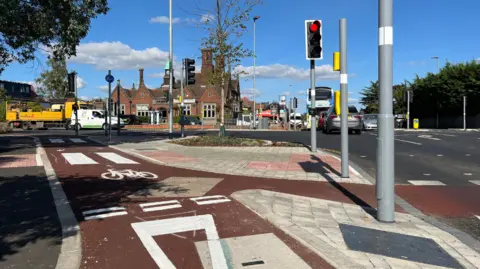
347, 236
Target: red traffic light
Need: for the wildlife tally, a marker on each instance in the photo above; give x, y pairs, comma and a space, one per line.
315, 26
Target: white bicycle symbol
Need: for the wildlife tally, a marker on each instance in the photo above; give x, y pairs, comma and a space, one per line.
121, 174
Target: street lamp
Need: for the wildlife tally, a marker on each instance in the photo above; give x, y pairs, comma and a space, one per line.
254, 72
438, 62
130, 106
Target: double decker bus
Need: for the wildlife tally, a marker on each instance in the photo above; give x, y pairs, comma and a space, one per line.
324, 99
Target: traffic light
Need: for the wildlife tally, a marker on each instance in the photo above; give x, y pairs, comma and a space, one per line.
189, 71
295, 102
75, 107
71, 82
313, 34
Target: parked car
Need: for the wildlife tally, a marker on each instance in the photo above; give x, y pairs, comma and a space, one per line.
331, 121
370, 122
192, 120
130, 119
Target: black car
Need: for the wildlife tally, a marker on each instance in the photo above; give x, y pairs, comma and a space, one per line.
130, 119
192, 120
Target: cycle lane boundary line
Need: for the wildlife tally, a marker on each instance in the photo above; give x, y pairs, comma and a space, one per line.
70, 256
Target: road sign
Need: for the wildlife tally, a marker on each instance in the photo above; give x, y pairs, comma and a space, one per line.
109, 78
416, 123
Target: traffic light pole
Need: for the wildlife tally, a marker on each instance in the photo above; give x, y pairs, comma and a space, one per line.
118, 107
313, 128
408, 110
344, 98
385, 187
170, 88
76, 103
464, 113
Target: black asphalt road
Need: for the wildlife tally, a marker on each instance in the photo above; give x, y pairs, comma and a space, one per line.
30, 232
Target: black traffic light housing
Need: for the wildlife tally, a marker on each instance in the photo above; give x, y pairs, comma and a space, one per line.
295, 102
313, 33
71, 82
189, 71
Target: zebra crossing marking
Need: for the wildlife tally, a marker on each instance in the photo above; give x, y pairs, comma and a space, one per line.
78, 159
77, 140
426, 183
114, 157
56, 141
113, 211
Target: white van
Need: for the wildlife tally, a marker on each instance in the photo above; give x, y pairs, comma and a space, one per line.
94, 118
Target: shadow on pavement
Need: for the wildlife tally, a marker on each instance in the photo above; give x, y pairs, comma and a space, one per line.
29, 224
325, 168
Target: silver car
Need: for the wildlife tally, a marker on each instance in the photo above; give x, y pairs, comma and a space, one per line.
370, 122
331, 121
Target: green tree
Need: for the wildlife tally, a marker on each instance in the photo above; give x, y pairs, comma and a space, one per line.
3, 104
56, 25
369, 98
53, 83
225, 24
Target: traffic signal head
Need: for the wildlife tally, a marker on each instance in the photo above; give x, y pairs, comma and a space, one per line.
295, 102
71, 82
189, 71
313, 35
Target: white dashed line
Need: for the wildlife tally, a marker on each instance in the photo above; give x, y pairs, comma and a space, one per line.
439, 155
426, 183
429, 137
411, 142
363, 156
467, 174
427, 175
476, 182
467, 155
411, 155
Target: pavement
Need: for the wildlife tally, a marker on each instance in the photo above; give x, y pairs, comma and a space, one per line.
137, 209
30, 231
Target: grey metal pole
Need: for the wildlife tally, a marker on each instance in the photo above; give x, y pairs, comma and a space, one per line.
118, 107
313, 129
254, 73
109, 124
294, 114
183, 96
408, 109
170, 89
438, 65
290, 110
344, 98
385, 187
106, 109
76, 103
464, 113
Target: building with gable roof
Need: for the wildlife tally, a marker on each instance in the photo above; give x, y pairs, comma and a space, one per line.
202, 99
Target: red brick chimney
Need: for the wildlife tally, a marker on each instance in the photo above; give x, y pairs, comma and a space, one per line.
207, 62
141, 83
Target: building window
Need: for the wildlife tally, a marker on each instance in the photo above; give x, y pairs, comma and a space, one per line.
142, 95
209, 94
188, 109
122, 109
142, 110
209, 110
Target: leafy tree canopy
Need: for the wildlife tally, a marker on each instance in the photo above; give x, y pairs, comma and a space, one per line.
53, 82
56, 25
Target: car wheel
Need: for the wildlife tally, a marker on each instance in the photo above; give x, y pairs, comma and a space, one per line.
358, 132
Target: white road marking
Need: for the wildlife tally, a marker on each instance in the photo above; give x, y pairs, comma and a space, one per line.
147, 230
444, 134
429, 137
477, 216
164, 205
114, 157
476, 182
38, 158
55, 140
351, 168
363, 156
467, 174
427, 175
214, 199
78, 158
411, 142
439, 155
426, 183
411, 155
90, 214
467, 155
77, 140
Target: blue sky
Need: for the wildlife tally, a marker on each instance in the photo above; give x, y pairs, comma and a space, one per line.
127, 38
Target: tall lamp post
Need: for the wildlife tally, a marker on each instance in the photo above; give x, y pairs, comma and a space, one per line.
254, 72
438, 62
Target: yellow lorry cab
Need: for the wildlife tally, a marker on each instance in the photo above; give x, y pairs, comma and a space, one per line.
57, 115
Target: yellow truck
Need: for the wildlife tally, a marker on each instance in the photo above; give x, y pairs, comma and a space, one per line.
58, 115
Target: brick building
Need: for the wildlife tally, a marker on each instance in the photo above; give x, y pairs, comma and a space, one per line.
202, 99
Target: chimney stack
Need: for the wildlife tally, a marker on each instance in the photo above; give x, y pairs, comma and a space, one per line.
141, 83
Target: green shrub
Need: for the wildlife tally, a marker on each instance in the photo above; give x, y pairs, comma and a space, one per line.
144, 119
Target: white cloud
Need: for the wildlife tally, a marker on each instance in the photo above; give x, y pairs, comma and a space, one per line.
322, 72
118, 56
286, 93
250, 92
103, 88
352, 100
302, 92
163, 19
206, 18
81, 83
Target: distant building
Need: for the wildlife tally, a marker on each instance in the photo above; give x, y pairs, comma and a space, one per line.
18, 90
201, 99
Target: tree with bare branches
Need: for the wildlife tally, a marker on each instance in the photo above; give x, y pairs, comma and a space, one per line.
225, 23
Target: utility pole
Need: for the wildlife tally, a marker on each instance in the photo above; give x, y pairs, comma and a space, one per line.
182, 96
408, 109
76, 102
170, 89
464, 112
254, 67
344, 98
385, 185
118, 107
